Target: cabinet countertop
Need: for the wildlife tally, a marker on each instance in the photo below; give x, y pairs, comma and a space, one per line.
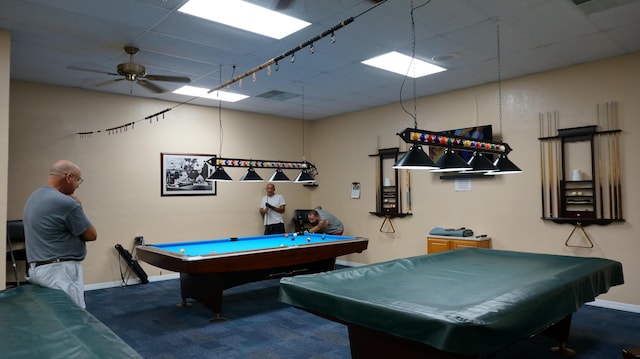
471, 238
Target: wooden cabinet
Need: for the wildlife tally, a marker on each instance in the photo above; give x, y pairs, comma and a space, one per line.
437, 244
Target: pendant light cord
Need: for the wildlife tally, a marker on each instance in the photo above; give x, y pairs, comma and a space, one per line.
499, 79
303, 121
413, 115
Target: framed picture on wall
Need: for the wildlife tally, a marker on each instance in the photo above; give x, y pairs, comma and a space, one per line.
185, 174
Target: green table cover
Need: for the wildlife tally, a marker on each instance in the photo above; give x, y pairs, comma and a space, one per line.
37, 322
463, 301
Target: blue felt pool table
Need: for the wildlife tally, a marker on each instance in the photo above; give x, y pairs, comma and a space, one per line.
208, 267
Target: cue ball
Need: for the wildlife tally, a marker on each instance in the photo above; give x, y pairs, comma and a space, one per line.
295, 234
181, 250
281, 245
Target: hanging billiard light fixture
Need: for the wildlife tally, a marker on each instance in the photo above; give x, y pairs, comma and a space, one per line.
480, 163
504, 166
451, 162
279, 176
251, 176
304, 177
219, 175
502, 163
415, 159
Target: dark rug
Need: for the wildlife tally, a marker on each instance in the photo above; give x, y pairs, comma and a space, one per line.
258, 326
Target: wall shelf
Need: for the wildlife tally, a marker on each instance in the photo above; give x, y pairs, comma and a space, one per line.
391, 215
594, 196
584, 222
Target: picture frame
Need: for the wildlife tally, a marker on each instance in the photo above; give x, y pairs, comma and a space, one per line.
185, 174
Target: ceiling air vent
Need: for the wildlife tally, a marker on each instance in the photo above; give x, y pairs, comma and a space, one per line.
594, 6
278, 95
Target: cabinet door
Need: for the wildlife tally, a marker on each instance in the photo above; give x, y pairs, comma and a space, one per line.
484, 243
455, 244
435, 245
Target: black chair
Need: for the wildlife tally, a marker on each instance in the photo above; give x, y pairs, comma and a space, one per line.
301, 219
16, 247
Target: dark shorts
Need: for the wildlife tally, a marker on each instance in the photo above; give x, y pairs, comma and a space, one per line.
274, 228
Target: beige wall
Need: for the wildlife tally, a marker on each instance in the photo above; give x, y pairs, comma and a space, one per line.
121, 191
507, 208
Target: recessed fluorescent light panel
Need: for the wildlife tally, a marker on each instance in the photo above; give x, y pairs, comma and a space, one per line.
245, 16
402, 64
215, 95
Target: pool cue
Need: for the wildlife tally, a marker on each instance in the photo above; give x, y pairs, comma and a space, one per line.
408, 191
610, 161
550, 165
542, 172
379, 198
614, 171
556, 157
600, 164
616, 141
600, 182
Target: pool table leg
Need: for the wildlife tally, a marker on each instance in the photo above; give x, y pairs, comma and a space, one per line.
560, 332
368, 343
206, 288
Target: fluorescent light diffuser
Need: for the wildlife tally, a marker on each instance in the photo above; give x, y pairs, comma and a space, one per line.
404, 65
215, 95
245, 16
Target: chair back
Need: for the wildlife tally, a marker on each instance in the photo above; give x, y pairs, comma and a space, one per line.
15, 231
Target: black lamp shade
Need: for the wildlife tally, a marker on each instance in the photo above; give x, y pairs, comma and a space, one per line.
451, 162
220, 175
415, 159
279, 176
504, 166
304, 177
251, 176
480, 163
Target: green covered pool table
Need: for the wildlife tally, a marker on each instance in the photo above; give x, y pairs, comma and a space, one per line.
208, 267
455, 304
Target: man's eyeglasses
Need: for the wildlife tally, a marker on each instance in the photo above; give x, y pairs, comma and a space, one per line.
80, 180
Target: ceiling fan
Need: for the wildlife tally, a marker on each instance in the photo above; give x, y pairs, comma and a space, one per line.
136, 72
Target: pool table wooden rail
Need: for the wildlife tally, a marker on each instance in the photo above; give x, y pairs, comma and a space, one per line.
205, 277
250, 260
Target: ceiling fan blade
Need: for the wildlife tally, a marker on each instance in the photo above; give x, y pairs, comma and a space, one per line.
92, 70
109, 82
283, 4
168, 78
151, 86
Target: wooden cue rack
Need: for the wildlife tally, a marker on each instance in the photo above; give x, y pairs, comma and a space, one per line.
580, 171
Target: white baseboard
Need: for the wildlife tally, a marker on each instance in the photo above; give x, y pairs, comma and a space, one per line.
615, 305
131, 281
348, 264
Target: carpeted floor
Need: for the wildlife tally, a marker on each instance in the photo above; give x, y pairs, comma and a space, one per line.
258, 326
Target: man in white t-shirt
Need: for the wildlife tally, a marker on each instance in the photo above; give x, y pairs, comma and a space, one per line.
271, 208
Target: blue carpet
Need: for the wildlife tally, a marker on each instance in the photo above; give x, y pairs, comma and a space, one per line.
258, 326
